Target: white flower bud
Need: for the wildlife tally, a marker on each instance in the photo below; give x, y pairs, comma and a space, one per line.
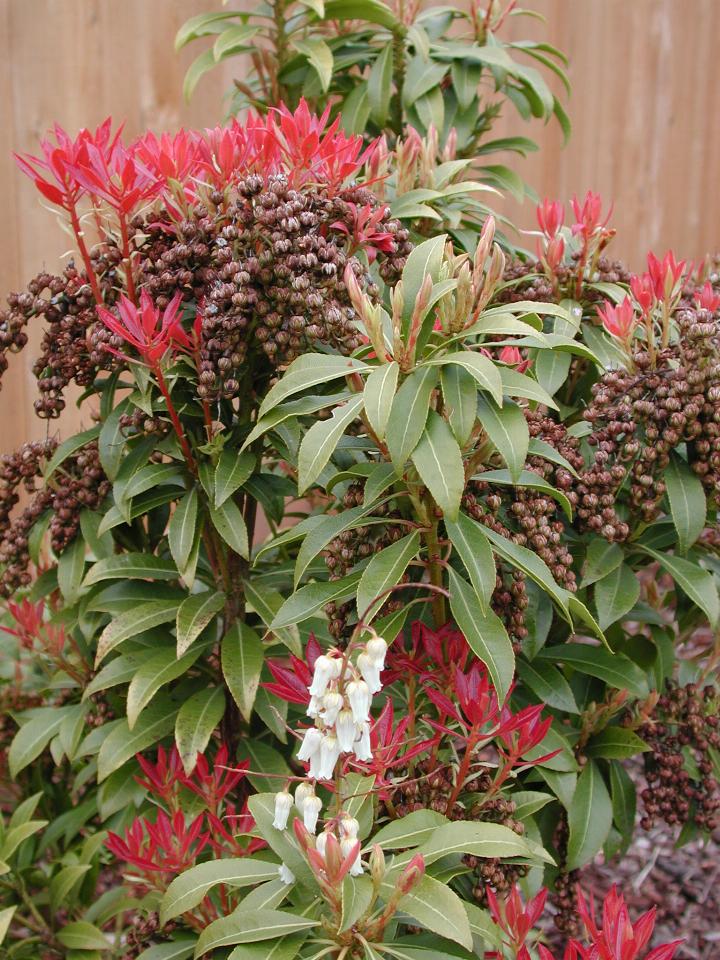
321, 843
283, 806
349, 827
370, 672
346, 730
329, 753
311, 811
346, 847
376, 649
323, 673
286, 874
310, 745
362, 747
332, 704
303, 791
359, 697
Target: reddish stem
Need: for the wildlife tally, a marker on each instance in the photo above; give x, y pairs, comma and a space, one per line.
172, 412
80, 240
127, 259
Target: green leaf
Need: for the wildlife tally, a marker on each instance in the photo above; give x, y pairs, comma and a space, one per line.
527, 478
411, 831
688, 506
242, 658
357, 895
196, 720
624, 800
530, 564
424, 260
539, 448
266, 602
6, 916
68, 447
143, 617
615, 743
194, 614
319, 442
233, 40
378, 396
616, 594
187, 890
70, 570
602, 558
371, 11
528, 802
82, 935
180, 949
484, 632
122, 743
63, 882
32, 738
196, 71
181, 529
409, 414
131, 566
385, 570
459, 400
292, 409
438, 461
250, 926
200, 26
547, 683
519, 385
508, 430
613, 668
468, 538
481, 368
322, 531
319, 54
232, 471
697, 583
551, 369
589, 817
159, 668
230, 524
309, 371
434, 906
488, 840
380, 85
308, 600
17, 835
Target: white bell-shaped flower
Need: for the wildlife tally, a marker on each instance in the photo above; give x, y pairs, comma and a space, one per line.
370, 671
349, 827
346, 847
376, 649
323, 673
362, 748
346, 730
310, 745
321, 843
302, 792
329, 753
283, 806
286, 874
313, 708
359, 697
332, 704
311, 811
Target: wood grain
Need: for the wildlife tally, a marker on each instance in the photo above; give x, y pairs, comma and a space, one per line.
645, 94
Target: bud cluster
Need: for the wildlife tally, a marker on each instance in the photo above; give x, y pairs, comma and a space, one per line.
683, 734
80, 484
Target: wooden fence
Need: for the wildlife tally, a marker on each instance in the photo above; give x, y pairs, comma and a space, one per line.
644, 104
